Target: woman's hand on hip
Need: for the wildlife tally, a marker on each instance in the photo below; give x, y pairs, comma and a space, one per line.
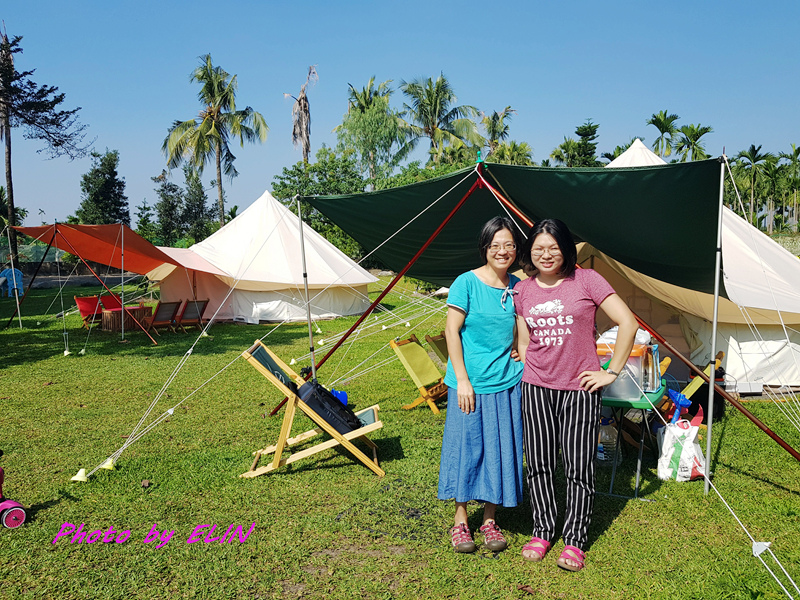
466, 397
592, 381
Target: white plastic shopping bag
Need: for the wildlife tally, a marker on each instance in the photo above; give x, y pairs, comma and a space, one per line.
681, 456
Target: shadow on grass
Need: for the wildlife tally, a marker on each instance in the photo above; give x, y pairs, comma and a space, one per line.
35, 509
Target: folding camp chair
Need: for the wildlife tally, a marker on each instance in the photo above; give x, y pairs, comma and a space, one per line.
287, 381
111, 302
438, 344
191, 315
163, 316
423, 372
90, 309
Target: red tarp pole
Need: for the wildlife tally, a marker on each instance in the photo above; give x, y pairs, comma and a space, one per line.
476, 185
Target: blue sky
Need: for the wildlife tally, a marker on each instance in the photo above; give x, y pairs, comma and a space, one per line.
732, 66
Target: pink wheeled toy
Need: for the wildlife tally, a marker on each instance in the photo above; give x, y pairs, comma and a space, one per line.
12, 514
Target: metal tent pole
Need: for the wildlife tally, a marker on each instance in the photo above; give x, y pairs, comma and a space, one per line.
712, 363
14, 278
308, 298
122, 280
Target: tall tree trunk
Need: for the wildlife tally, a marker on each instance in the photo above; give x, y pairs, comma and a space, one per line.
12, 213
221, 200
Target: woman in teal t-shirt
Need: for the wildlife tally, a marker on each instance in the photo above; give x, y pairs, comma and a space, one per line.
482, 444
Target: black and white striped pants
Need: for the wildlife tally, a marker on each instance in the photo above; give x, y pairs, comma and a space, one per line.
566, 420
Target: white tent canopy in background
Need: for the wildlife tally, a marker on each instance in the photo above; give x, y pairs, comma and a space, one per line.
760, 277
258, 254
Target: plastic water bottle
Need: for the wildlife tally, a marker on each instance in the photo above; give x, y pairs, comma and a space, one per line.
607, 453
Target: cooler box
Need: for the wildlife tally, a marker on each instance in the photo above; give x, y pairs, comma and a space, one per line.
641, 373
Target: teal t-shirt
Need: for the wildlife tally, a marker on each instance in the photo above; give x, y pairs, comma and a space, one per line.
487, 334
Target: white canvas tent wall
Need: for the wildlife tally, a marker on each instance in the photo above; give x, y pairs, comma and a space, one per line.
761, 279
258, 254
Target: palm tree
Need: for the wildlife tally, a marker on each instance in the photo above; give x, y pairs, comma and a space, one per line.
689, 145
665, 123
772, 172
433, 115
512, 153
794, 174
197, 140
496, 127
363, 100
301, 115
753, 161
566, 153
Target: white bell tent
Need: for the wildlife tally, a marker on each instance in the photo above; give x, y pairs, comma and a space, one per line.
757, 323
251, 270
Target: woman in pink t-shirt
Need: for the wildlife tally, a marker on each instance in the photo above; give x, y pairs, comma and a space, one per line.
562, 382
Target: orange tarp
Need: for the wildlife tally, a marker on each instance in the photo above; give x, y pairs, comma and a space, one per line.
102, 244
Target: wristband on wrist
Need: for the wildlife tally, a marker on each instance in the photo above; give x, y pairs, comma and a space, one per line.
612, 372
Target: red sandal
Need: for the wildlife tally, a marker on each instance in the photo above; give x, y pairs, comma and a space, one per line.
461, 538
538, 546
572, 554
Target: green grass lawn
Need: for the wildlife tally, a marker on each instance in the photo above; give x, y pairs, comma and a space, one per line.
325, 527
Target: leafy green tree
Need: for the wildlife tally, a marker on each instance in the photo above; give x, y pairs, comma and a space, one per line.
332, 173
196, 216
586, 145
753, 162
414, 172
199, 140
373, 129
496, 127
301, 115
145, 226
169, 210
432, 115
566, 154
512, 153
103, 199
667, 130
689, 145
19, 213
36, 110
458, 154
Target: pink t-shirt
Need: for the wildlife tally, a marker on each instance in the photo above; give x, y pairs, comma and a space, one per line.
561, 324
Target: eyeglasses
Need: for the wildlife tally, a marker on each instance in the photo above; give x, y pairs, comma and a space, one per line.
554, 251
494, 248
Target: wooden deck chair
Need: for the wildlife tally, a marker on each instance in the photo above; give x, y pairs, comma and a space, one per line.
163, 316
423, 372
90, 309
438, 344
191, 315
287, 381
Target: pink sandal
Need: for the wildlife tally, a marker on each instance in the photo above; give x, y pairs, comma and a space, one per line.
538, 546
461, 538
493, 536
572, 554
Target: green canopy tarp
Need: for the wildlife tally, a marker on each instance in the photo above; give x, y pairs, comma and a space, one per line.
660, 220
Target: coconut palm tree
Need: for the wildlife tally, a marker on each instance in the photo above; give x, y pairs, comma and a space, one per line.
431, 114
793, 173
301, 115
753, 161
362, 100
207, 136
512, 153
689, 145
566, 153
665, 123
496, 127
